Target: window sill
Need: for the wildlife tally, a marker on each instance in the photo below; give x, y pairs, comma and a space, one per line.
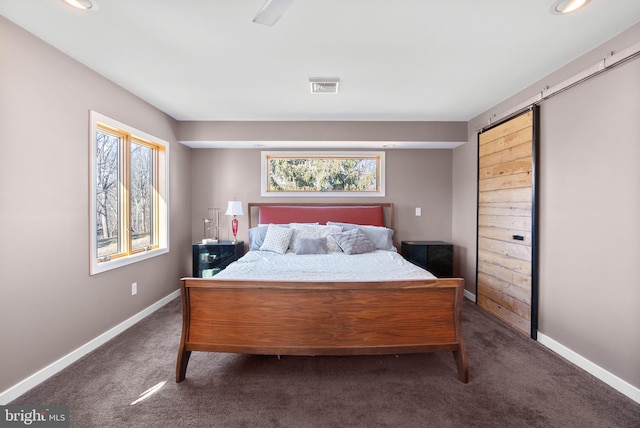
97, 268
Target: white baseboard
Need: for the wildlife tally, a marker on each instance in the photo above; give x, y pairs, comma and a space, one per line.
586, 365
53, 368
42, 375
591, 368
469, 295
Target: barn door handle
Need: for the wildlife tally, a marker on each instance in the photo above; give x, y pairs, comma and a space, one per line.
518, 237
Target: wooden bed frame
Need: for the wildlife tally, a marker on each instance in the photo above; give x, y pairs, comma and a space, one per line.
322, 318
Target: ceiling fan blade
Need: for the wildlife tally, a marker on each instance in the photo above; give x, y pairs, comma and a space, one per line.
271, 11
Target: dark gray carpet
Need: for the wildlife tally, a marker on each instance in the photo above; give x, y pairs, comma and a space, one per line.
515, 382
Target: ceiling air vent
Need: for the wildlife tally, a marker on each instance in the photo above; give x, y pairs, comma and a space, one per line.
324, 85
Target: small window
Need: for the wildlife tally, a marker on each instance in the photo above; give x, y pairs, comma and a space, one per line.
129, 177
331, 174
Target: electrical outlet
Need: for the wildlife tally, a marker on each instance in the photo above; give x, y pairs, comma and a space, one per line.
134, 288
418, 212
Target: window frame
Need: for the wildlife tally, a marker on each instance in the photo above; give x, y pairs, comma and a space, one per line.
379, 156
160, 222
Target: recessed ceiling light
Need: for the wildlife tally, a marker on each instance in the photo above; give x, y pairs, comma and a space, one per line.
83, 4
560, 7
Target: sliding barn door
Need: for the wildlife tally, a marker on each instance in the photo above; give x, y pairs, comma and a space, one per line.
506, 275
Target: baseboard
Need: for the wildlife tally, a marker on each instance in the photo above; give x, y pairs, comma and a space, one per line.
53, 368
42, 375
469, 295
591, 368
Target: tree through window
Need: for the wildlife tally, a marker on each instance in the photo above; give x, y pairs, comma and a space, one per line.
337, 173
129, 193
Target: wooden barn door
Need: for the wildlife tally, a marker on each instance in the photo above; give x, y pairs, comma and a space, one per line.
506, 269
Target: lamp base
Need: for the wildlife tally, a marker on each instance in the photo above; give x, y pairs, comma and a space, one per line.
234, 229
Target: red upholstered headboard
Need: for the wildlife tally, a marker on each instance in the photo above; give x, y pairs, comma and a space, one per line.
365, 214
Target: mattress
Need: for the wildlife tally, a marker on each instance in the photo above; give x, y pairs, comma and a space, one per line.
333, 267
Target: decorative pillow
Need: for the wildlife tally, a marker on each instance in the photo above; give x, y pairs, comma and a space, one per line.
382, 237
326, 232
301, 230
257, 234
311, 246
305, 230
277, 239
283, 224
354, 241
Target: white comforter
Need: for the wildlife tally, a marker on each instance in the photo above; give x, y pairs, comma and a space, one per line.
369, 267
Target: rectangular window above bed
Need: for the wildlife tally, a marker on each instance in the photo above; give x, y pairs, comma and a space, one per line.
302, 173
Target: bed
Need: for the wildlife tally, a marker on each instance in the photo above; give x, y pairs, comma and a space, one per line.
254, 310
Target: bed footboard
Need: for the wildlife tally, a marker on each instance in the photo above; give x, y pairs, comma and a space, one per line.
320, 318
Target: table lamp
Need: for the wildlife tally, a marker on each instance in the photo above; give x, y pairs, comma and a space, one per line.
234, 208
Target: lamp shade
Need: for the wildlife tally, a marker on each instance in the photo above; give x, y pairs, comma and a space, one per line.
234, 208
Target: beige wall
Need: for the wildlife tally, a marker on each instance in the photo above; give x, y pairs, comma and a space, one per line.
322, 131
49, 305
589, 210
590, 220
414, 178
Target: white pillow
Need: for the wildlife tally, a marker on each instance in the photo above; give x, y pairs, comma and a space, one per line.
277, 239
326, 232
282, 224
304, 230
301, 230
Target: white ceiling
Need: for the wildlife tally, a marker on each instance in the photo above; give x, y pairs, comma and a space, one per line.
397, 60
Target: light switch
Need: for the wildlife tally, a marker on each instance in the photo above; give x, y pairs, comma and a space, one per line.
418, 212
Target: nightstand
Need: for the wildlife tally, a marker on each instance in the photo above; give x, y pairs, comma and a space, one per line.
209, 259
434, 256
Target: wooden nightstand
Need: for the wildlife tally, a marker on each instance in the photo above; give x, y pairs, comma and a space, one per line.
209, 259
434, 256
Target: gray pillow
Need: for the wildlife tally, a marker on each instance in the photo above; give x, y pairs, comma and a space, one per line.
382, 237
354, 241
311, 245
